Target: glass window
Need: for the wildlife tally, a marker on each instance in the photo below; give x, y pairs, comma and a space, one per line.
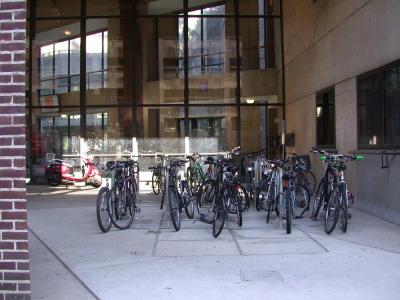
160, 129
326, 129
159, 7
108, 7
392, 106
370, 113
212, 129
259, 7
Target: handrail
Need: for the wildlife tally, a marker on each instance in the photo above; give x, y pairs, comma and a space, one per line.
383, 153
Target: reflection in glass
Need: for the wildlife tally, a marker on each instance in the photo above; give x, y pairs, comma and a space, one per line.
212, 129
392, 106
161, 130
57, 9
159, 7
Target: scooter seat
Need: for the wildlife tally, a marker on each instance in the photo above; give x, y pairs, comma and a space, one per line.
67, 163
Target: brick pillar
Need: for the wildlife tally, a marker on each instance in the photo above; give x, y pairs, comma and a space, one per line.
14, 257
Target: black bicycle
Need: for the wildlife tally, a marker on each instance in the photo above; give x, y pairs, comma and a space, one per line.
332, 193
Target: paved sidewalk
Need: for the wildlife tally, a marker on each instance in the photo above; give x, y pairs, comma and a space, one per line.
72, 259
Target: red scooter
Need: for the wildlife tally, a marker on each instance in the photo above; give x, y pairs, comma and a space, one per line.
66, 171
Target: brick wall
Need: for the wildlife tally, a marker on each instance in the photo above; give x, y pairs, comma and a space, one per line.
14, 257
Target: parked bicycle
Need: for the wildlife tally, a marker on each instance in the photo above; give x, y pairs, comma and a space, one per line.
332, 194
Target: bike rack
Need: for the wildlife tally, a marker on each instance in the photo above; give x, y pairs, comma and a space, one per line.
385, 162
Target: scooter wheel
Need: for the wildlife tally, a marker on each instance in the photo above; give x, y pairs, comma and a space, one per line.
54, 178
97, 181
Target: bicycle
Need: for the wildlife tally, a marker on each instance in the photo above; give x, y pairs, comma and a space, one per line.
121, 204
158, 177
195, 174
332, 193
103, 217
179, 194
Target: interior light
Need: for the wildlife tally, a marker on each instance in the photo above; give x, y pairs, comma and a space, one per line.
250, 101
319, 110
67, 32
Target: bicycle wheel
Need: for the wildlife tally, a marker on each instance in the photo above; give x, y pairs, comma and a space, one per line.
121, 207
219, 217
332, 211
206, 195
173, 202
310, 182
155, 182
243, 198
301, 200
103, 218
318, 199
187, 197
163, 190
344, 205
288, 208
238, 203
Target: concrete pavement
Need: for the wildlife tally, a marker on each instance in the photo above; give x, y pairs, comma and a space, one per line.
72, 259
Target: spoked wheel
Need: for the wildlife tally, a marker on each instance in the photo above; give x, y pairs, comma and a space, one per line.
156, 183
121, 206
243, 197
310, 182
332, 211
103, 218
239, 209
289, 211
318, 199
174, 209
205, 196
302, 199
219, 217
54, 178
163, 191
187, 196
344, 206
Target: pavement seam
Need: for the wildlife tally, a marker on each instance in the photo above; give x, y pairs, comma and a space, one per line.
64, 264
235, 241
315, 240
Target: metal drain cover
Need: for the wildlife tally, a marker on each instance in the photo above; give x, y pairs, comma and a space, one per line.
260, 275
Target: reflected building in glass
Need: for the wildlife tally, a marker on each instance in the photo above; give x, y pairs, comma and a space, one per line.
173, 76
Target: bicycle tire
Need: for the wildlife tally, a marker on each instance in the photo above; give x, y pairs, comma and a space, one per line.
206, 196
155, 183
219, 217
344, 214
289, 211
239, 209
311, 181
125, 212
302, 200
318, 199
332, 211
103, 217
189, 206
173, 202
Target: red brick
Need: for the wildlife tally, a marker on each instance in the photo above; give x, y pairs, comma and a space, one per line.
12, 68
5, 141
4, 163
17, 297
19, 36
5, 184
16, 275
11, 88
6, 225
14, 235
17, 109
13, 46
12, 5
12, 151
5, 99
5, 16
19, 183
15, 255
19, 163
19, 141
5, 36
12, 25
6, 245
12, 173
19, 120
23, 266
18, 78
4, 57
14, 215
22, 245
18, 99
12, 195
19, 15
20, 204
6, 286
4, 205
21, 225
5, 78
7, 265
24, 287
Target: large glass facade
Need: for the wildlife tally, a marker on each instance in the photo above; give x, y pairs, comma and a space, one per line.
181, 76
